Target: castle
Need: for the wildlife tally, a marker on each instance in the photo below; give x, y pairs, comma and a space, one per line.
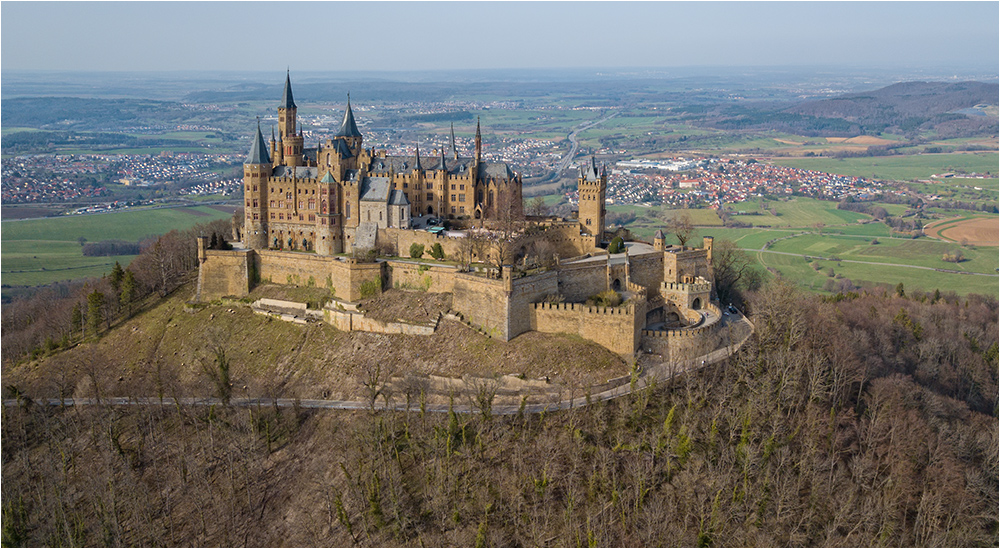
335, 196
304, 208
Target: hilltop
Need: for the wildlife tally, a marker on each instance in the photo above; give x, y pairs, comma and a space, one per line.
165, 351
799, 439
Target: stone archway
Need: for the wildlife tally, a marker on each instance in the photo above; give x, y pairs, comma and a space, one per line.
696, 304
616, 285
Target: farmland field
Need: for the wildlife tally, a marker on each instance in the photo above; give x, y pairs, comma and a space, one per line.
41, 251
902, 168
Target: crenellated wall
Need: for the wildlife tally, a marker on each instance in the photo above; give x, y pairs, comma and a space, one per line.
615, 328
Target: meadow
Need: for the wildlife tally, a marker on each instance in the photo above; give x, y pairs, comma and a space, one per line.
899, 168
40, 251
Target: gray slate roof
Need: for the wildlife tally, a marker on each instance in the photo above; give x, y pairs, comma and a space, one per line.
258, 150
286, 99
495, 170
348, 128
375, 189
398, 198
591, 173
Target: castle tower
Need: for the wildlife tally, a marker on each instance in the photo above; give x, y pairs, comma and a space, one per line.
592, 186
329, 235
454, 148
290, 140
659, 242
479, 143
707, 243
256, 171
348, 131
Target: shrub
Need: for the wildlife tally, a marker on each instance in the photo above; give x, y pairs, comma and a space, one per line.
416, 250
617, 245
607, 298
437, 252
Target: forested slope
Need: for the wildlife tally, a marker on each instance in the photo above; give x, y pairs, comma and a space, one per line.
871, 420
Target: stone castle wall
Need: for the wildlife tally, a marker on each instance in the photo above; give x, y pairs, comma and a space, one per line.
223, 273
579, 281
408, 275
484, 302
684, 343
615, 328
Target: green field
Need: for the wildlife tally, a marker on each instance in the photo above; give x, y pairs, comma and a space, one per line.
796, 212
795, 235
41, 251
901, 168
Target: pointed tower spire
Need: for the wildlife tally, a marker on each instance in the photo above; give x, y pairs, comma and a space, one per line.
454, 148
479, 142
348, 128
258, 150
442, 166
417, 165
286, 99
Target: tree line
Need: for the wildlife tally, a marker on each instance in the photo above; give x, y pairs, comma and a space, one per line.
799, 439
64, 314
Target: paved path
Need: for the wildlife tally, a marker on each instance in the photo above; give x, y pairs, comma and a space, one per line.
656, 373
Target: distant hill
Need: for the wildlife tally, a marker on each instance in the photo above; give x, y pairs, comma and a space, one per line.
909, 108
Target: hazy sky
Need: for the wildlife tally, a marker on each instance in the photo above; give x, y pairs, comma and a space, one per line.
334, 36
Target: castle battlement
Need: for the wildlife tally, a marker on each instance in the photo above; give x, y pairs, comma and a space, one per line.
627, 309
697, 287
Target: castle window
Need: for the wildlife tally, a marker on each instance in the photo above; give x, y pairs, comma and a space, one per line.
255, 203
461, 209
248, 203
323, 206
301, 218
255, 216
430, 196
312, 217
453, 209
453, 186
406, 185
301, 204
272, 203
452, 196
461, 187
430, 186
272, 215
588, 222
255, 188
312, 203
380, 216
369, 215
347, 211
281, 216
281, 204
288, 196
461, 198
322, 221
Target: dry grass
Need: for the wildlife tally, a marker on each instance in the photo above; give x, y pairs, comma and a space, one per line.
979, 231
165, 350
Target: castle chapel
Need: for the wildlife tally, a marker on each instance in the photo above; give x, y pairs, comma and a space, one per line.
338, 194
